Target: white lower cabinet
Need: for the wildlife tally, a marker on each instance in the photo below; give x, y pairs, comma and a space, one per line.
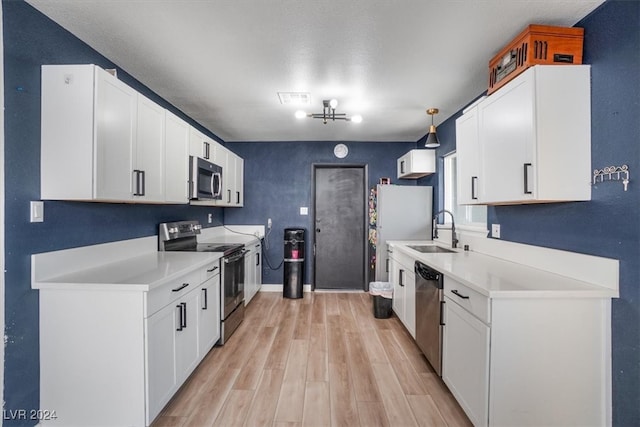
209, 314
465, 355
161, 369
116, 357
403, 278
532, 361
252, 271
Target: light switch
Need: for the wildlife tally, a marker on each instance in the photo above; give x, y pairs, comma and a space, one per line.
495, 231
37, 211
304, 210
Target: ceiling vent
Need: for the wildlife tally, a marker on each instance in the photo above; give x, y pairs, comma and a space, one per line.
294, 98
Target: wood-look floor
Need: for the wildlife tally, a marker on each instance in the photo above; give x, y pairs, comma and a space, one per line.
323, 360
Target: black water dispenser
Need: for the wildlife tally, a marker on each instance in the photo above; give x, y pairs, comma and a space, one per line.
293, 262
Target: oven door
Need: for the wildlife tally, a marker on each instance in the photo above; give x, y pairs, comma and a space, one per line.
233, 286
205, 179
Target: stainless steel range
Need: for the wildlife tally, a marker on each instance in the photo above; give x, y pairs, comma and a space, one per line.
182, 236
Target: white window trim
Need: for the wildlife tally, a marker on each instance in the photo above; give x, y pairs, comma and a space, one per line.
475, 228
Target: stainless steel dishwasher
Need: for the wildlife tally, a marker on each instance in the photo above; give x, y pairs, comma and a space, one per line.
429, 300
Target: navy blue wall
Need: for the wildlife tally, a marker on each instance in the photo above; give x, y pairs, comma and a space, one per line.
278, 182
30, 41
609, 224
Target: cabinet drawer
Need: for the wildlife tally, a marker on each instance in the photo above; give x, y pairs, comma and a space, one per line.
212, 269
171, 291
405, 261
472, 301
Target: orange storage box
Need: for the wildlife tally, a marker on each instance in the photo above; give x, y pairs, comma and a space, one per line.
537, 44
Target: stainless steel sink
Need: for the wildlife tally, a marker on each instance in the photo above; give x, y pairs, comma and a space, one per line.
430, 249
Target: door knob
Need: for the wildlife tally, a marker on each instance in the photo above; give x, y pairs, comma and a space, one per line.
317, 230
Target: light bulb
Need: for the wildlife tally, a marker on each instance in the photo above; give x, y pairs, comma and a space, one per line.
300, 114
333, 103
357, 118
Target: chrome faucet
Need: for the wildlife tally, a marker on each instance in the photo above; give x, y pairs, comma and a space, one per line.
454, 239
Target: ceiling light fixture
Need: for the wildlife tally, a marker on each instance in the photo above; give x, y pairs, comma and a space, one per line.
432, 138
329, 113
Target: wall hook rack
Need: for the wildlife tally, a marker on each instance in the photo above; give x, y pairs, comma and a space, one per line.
612, 173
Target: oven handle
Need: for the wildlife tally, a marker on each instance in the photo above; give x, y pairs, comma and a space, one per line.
234, 258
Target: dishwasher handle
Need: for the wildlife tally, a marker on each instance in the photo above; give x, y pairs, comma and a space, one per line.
428, 274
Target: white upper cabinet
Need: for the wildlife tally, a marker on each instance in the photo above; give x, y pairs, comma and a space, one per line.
201, 146
468, 163
176, 159
103, 141
148, 162
416, 164
533, 140
87, 134
239, 181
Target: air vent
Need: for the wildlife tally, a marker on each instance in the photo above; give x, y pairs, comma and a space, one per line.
294, 98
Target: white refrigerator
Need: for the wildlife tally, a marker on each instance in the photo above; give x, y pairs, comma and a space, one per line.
402, 212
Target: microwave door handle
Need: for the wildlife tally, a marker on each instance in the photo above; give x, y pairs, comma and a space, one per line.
218, 180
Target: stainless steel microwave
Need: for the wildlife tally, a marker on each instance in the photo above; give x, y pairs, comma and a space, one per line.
205, 179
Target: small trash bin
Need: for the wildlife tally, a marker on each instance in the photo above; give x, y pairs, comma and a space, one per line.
382, 293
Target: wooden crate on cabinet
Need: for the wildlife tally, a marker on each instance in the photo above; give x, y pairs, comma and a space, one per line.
416, 164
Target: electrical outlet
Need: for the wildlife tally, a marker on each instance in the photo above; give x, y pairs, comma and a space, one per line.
495, 231
269, 224
209, 218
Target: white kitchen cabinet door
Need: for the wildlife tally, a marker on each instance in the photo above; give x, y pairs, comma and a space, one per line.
176, 166
506, 123
200, 145
258, 267
465, 361
468, 166
398, 291
115, 124
208, 315
148, 161
253, 271
226, 160
410, 302
239, 181
161, 375
186, 310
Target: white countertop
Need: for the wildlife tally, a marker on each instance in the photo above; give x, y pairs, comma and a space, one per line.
140, 273
133, 265
225, 235
497, 278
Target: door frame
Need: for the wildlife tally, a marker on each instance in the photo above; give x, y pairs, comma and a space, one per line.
365, 225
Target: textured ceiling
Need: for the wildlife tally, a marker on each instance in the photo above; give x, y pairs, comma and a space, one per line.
222, 62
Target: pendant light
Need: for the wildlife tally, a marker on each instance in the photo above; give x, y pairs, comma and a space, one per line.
432, 138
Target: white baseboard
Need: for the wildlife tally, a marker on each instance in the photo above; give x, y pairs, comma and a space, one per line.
278, 288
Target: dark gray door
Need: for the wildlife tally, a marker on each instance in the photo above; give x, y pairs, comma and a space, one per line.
340, 221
